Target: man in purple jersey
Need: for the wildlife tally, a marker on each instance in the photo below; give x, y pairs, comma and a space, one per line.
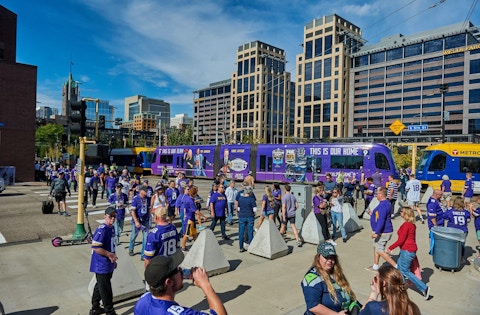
120, 201
165, 278
110, 183
218, 209
103, 262
382, 229
369, 192
434, 210
163, 239
172, 194
140, 219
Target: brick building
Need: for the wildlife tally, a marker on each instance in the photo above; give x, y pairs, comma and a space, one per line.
18, 88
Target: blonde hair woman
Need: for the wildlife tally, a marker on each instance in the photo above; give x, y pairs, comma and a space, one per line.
408, 250
268, 204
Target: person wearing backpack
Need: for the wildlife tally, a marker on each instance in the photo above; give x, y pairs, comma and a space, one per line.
59, 190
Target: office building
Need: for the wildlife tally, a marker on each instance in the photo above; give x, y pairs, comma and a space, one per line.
70, 92
44, 112
18, 88
429, 79
181, 121
261, 94
104, 109
211, 113
139, 104
322, 78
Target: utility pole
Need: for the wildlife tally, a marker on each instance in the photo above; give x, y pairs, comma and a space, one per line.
443, 90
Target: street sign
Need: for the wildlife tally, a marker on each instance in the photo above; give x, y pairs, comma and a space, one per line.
417, 127
397, 126
66, 156
79, 166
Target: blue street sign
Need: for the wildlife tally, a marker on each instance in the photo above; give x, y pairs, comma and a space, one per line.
417, 127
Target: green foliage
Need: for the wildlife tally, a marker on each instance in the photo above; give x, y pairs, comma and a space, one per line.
46, 138
405, 160
180, 136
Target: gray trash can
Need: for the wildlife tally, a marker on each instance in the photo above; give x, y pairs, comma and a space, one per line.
447, 247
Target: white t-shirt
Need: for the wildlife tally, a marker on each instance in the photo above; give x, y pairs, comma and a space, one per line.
413, 190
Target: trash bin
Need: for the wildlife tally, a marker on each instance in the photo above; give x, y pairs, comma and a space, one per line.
447, 247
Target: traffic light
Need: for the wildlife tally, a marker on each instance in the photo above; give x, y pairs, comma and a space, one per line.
118, 121
101, 122
78, 117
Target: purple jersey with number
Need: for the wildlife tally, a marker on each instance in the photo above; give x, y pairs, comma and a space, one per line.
371, 188
434, 211
162, 240
120, 201
469, 188
104, 237
457, 219
219, 202
147, 305
140, 206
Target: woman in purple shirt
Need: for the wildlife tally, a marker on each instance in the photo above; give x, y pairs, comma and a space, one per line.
446, 187
320, 209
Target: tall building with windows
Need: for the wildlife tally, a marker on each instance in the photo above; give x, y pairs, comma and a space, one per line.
45, 112
261, 94
428, 79
140, 104
322, 78
104, 109
180, 121
211, 113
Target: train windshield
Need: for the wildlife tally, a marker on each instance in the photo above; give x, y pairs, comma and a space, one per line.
148, 157
423, 161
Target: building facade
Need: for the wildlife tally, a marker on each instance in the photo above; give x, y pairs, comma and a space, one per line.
139, 104
44, 112
18, 88
211, 113
70, 92
261, 94
180, 121
430, 79
104, 109
322, 78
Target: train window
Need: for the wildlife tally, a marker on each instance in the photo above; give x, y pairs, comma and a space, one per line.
269, 164
469, 165
166, 159
346, 162
438, 162
381, 161
263, 162
317, 165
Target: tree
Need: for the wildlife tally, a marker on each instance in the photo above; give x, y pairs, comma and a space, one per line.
46, 138
180, 136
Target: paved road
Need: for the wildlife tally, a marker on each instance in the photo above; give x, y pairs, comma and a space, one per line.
37, 278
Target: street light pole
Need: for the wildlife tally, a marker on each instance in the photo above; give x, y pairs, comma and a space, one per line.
443, 90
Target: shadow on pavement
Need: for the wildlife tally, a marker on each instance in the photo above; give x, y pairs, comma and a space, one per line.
224, 297
39, 311
11, 194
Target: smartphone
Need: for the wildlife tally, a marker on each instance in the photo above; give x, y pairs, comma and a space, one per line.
187, 274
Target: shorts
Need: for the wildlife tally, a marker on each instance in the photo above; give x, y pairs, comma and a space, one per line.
413, 203
467, 199
291, 220
478, 235
380, 242
60, 196
268, 212
190, 229
447, 196
171, 211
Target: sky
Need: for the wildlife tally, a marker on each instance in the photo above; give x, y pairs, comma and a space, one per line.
168, 49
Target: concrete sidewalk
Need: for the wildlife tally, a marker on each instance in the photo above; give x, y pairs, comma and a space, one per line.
37, 278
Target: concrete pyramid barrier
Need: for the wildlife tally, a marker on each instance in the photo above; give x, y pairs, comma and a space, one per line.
428, 193
207, 253
311, 231
268, 242
126, 282
373, 204
399, 204
351, 222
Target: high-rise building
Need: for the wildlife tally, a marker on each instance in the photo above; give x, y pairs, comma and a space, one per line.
211, 113
104, 109
322, 78
429, 79
180, 121
139, 104
44, 112
70, 92
261, 94
18, 88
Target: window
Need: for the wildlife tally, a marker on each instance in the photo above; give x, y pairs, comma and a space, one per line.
475, 66
468, 164
326, 113
308, 50
317, 69
239, 86
455, 41
263, 162
381, 161
252, 64
307, 114
328, 45
346, 162
413, 50
308, 71
317, 91
394, 54
361, 61
327, 67
377, 57
327, 90
318, 47
438, 162
239, 70
166, 159
245, 67
308, 93
316, 118
474, 96
433, 46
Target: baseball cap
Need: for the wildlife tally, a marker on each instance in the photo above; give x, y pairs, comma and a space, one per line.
326, 249
161, 266
110, 211
158, 187
145, 181
119, 185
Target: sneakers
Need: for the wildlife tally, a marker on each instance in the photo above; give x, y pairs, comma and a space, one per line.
66, 214
59, 213
130, 252
242, 250
371, 269
97, 311
344, 240
332, 242
225, 237
426, 293
299, 244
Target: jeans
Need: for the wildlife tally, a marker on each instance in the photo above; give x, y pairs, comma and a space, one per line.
94, 196
403, 263
222, 225
133, 236
231, 206
118, 226
109, 192
103, 292
322, 219
338, 217
242, 223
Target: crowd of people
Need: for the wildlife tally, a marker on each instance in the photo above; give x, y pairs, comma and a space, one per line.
153, 211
